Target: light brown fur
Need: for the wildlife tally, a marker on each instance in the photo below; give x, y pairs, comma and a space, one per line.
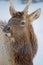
5, 47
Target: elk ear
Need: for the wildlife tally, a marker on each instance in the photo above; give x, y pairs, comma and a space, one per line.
33, 16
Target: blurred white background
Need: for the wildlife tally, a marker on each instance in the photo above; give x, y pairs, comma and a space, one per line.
38, 24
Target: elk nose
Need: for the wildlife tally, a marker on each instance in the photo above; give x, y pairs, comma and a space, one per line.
6, 29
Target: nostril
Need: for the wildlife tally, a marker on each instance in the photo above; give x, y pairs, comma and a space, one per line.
6, 29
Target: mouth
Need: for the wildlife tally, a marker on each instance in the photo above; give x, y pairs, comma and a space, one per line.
8, 34
12, 39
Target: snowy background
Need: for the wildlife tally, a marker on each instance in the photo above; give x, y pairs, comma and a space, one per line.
38, 24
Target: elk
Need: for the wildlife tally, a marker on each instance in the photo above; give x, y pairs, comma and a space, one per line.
19, 37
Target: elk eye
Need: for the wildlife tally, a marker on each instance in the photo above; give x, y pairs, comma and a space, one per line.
23, 22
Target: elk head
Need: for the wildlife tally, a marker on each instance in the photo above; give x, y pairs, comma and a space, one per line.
20, 21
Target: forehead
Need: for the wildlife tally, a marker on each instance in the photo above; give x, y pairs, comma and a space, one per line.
14, 21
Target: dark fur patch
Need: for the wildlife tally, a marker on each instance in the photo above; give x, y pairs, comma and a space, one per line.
18, 15
21, 49
24, 49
